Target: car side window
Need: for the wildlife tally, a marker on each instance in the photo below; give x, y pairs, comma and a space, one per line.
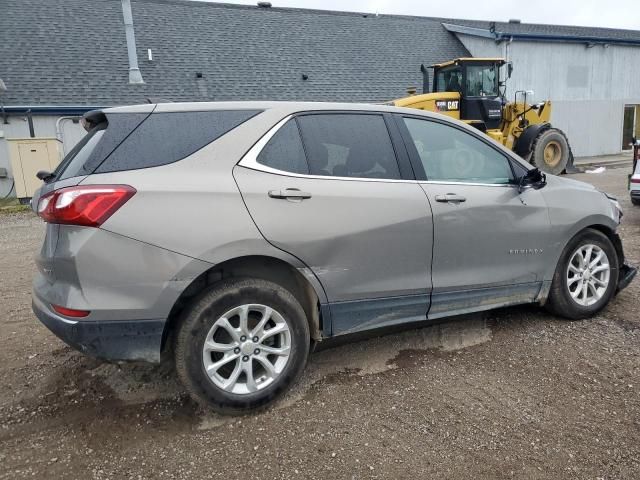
284, 151
450, 154
348, 145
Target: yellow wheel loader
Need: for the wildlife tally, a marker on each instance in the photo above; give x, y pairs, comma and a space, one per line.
469, 89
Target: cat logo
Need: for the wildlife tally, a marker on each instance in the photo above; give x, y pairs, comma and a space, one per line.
447, 105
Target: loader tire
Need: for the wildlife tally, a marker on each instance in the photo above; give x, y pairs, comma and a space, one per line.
550, 151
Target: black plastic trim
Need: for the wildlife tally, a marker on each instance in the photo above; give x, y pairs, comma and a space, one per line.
108, 340
627, 273
402, 156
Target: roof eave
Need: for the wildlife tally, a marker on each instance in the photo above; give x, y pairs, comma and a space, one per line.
537, 37
53, 109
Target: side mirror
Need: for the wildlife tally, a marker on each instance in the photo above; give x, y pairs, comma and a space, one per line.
509, 69
533, 178
44, 175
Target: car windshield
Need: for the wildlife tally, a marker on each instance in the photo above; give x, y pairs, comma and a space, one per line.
482, 81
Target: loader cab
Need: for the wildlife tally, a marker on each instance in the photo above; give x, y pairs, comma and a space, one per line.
477, 80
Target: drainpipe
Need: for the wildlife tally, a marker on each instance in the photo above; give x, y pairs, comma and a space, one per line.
59, 135
32, 132
134, 72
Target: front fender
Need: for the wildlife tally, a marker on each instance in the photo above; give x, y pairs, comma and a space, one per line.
574, 206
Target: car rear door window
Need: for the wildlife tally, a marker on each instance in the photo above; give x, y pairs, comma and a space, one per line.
348, 145
450, 154
167, 137
284, 151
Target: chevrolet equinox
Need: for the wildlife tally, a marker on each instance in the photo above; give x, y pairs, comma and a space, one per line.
235, 236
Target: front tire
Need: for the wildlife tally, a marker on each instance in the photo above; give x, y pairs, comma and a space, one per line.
241, 344
550, 151
586, 276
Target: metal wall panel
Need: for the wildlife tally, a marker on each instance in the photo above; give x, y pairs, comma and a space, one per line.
588, 86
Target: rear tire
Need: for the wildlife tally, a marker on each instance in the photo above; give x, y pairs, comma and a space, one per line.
550, 151
231, 367
635, 201
565, 297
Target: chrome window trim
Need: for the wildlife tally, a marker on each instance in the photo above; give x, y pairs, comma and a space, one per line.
250, 160
477, 184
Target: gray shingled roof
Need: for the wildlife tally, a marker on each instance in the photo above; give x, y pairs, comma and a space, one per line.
74, 52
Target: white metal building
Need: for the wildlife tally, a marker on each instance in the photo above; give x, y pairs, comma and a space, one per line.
593, 79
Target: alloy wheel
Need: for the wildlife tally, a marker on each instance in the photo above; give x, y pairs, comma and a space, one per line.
588, 274
247, 349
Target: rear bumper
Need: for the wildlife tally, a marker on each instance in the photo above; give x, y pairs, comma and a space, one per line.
634, 193
627, 273
108, 340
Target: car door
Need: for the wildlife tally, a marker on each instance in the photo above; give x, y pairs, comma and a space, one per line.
328, 189
490, 240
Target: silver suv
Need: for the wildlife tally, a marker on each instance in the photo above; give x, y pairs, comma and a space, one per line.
236, 236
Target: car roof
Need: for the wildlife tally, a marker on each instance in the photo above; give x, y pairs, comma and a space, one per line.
284, 107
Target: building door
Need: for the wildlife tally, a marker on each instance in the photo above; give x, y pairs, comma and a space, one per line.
628, 126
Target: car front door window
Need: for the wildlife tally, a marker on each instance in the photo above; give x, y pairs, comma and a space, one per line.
452, 155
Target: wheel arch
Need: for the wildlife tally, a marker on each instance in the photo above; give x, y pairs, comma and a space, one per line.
600, 226
303, 286
600, 223
615, 239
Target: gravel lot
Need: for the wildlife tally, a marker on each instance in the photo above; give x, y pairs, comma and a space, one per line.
515, 394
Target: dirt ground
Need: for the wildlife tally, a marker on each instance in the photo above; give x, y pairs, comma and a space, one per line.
514, 394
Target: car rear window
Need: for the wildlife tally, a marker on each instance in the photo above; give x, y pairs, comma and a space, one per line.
129, 141
96, 145
165, 138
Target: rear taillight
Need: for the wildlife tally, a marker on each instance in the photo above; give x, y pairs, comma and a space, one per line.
635, 180
70, 312
88, 206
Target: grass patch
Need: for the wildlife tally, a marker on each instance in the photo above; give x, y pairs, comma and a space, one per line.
12, 205
7, 202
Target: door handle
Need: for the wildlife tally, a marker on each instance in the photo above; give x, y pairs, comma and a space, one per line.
289, 193
450, 198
